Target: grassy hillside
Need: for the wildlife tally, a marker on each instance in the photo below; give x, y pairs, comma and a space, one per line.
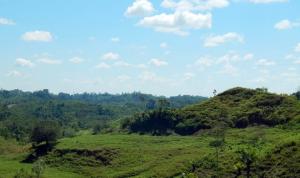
117, 155
234, 108
240, 107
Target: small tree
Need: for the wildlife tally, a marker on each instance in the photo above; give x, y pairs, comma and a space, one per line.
45, 131
218, 143
38, 168
247, 157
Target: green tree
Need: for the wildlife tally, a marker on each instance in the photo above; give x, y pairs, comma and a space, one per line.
218, 143
38, 168
46, 131
247, 157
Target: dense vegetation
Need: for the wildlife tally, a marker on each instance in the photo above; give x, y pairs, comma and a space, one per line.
238, 133
20, 111
234, 108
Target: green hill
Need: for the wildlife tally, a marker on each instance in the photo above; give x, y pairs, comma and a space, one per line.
235, 108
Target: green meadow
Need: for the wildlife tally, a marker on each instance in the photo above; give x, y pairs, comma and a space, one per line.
130, 155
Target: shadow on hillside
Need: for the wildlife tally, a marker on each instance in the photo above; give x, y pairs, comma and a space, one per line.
39, 151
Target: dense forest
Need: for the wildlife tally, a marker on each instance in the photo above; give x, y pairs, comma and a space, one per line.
20, 111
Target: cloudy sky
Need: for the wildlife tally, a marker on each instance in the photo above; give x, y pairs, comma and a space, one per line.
162, 47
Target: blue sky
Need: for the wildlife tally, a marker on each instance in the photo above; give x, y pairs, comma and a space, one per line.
165, 47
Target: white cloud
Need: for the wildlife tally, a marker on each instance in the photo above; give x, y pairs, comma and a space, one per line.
285, 24
267, 1
177, 23
229, 69
188, 76
24, 62
42, 36
229, 57
111, 56
214, 41
205, 61
49, 61
140, 8
115, 39
76, 60
122, 64
158, 62
103, 65
297, 48
5, 21
163, 45
14, 73
248, 56
265, 62
150, 76
194, 5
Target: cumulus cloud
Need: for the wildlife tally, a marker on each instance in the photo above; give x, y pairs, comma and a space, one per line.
76, 60
111, 56
205, 61
229, 57
266, 1
177, 23
285, 24
140, 8
5, 21
24, 62
214, 41
158, 62
103, 65
265, 62
192, 5
49, 61
42, 36
14, 73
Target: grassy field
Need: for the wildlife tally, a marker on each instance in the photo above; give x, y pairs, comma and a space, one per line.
141, 156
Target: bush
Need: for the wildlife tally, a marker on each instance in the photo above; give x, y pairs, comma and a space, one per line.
45, 131
242, 123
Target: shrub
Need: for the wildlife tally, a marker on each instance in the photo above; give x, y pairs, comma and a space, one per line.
242, 123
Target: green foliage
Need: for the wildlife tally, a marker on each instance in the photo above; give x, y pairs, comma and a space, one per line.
157, 122
45, 131
240, 108
167, 156
246, 158
237, 107
38, 168
23, 174
19, 111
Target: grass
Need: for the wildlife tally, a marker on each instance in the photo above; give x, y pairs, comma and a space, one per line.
148, 156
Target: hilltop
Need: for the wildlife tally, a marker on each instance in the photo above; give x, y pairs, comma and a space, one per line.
234, 108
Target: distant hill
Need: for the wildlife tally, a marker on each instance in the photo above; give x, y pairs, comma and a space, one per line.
19, 110
237, 107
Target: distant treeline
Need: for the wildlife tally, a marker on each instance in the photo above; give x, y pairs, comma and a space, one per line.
20, 111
